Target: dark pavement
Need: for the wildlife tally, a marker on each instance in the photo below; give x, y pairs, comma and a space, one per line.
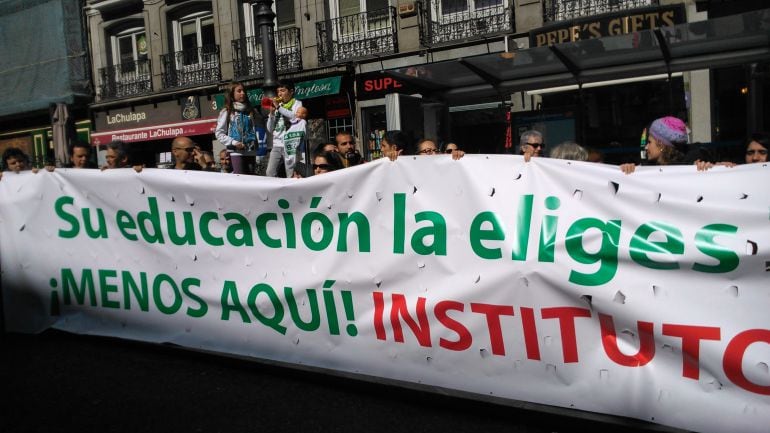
62, 382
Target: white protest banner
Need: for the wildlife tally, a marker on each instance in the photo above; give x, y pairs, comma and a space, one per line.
560, 283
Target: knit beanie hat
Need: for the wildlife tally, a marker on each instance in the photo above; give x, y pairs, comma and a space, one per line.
669, 130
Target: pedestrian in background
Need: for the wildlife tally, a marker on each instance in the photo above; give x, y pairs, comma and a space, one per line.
325, 162
80, 155
596, 155
569, 150
117, 155
184, 151
205, 159
346, 146
15, 160
666, 141
756, 148
325, 147
531, 144
224, 161
393, 144
429, 147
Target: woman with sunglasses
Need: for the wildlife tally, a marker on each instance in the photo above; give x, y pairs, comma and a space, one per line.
531, 144
454, 150
325, 162
427, 146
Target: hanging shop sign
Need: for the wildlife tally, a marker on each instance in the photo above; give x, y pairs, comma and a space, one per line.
302, 90
375, 85
190, 108
156, 132
146, 115
613, 24
316, 88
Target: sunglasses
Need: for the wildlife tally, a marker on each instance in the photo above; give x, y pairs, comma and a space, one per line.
449, 150
428, 151
756, 151
540, 145
322, 167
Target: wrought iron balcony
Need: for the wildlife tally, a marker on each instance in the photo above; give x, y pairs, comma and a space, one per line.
247, 54
125, 79
443, 21
356, 36
559, 10
191, 67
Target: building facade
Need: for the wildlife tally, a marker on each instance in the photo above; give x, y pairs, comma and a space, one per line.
160, 68
444, 69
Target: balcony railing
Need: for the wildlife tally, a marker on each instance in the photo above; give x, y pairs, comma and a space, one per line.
356, 36
559, 10
190, 67
444, 21
247, 54
125, 79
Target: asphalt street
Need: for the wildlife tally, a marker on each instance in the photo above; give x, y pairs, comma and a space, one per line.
57, 381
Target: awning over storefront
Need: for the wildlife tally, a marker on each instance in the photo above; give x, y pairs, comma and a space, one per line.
156, 132
719, 42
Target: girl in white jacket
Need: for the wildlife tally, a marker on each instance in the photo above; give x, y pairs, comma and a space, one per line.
237, 124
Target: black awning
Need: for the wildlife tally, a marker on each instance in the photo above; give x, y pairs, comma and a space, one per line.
726, 41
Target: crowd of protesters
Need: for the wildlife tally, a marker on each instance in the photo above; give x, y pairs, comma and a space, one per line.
287, 151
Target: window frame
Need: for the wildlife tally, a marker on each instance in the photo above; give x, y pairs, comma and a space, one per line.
250, 18
176, 24
471, 10
341, 35
121, 73
197, 17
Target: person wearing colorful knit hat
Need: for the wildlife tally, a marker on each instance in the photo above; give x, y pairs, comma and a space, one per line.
665, 138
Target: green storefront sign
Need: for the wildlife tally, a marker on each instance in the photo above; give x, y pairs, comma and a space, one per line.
302, 90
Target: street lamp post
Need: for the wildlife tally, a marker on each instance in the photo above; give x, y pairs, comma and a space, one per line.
265, 20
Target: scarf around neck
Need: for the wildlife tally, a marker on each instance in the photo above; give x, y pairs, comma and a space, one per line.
287, 105
239, 106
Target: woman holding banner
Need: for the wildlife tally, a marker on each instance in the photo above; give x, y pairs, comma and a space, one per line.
666, 138
756, 148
